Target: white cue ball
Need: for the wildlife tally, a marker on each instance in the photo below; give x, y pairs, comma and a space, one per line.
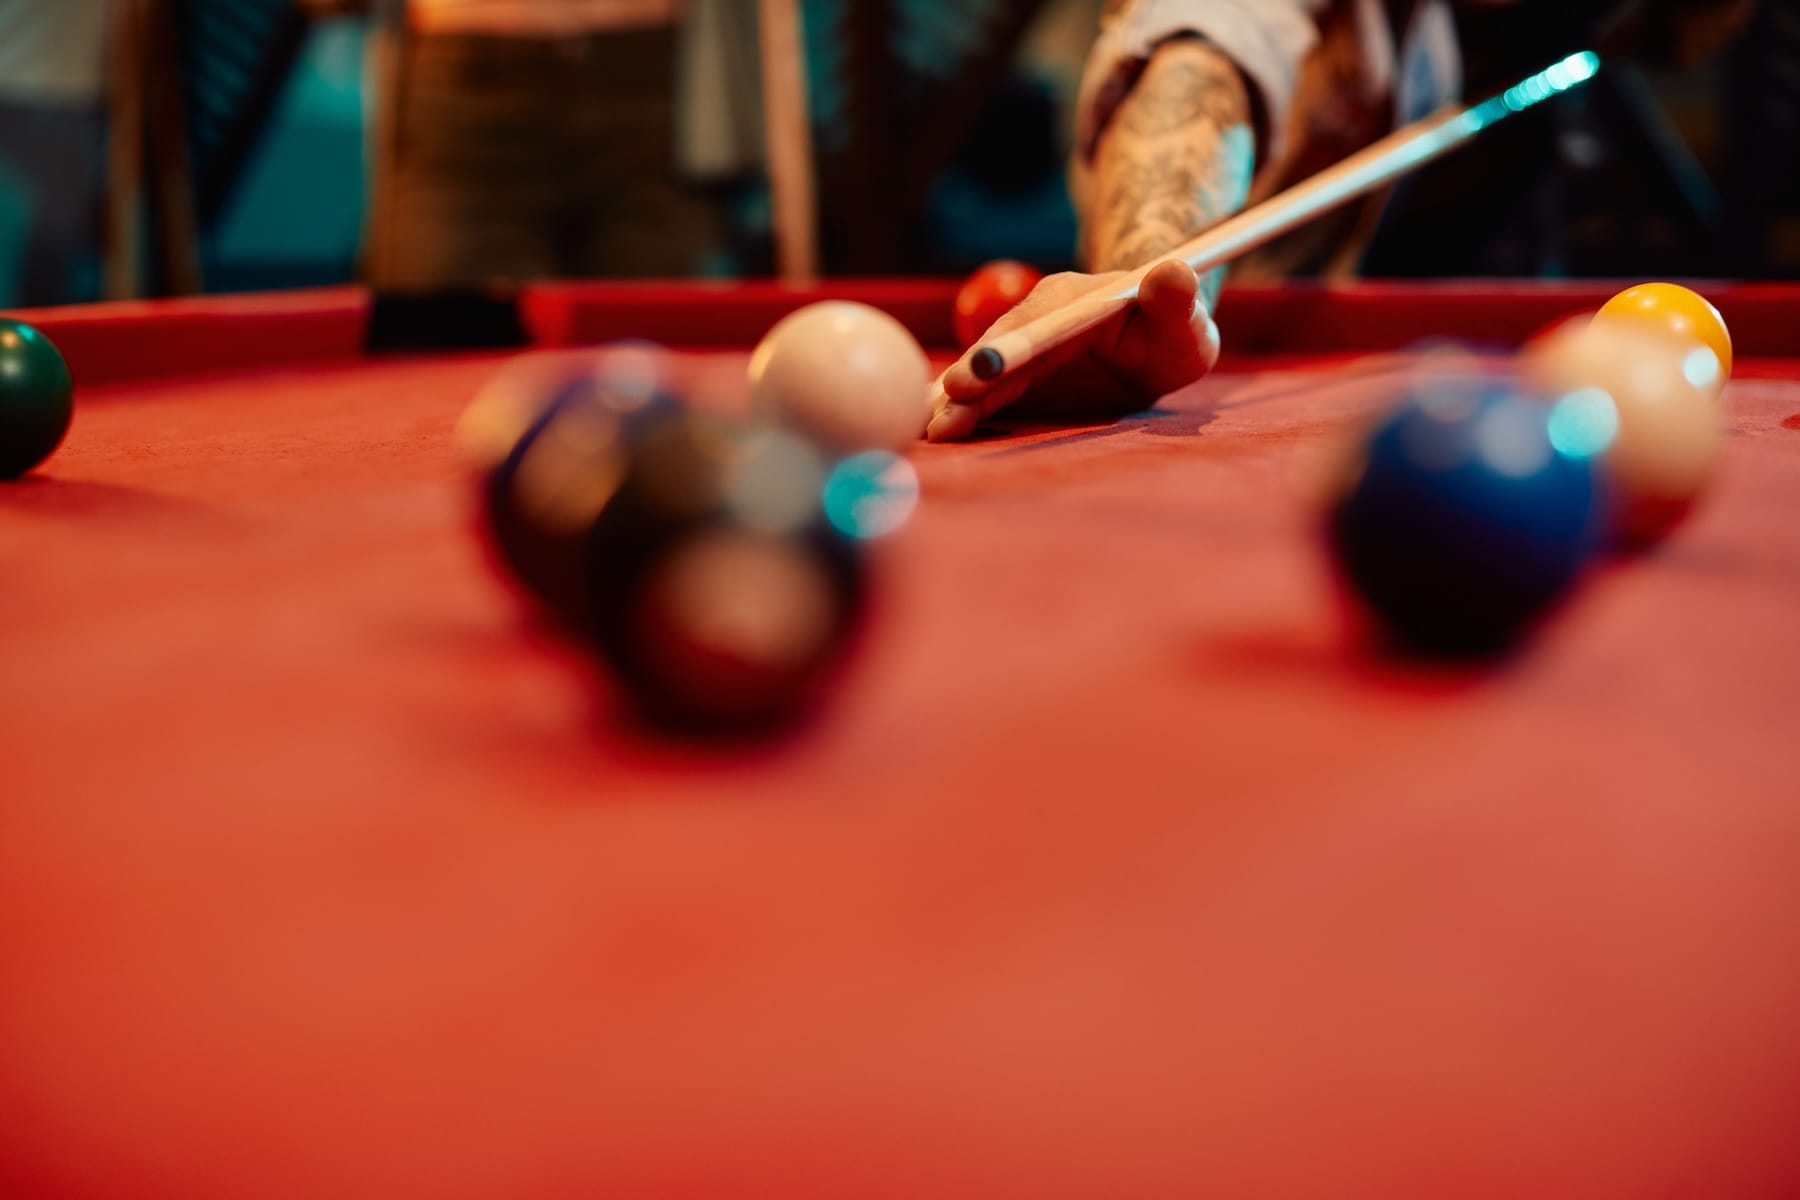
845, 374
1663, 390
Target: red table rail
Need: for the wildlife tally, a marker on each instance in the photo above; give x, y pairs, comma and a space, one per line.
150, 339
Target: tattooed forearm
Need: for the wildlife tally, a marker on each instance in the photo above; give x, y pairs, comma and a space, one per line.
1177, 158
1191, 85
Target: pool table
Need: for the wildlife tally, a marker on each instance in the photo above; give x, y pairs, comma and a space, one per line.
1121, 862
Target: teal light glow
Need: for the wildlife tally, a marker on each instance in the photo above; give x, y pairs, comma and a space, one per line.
872, 495
1581, 67
1553, 80
1584, 424
1701, 368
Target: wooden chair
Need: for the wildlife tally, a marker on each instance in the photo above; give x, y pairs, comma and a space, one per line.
883, 127
191, 87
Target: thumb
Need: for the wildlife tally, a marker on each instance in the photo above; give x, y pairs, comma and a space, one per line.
1173, 341
1167, 298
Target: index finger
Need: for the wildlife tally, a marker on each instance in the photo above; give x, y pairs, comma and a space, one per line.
959, 381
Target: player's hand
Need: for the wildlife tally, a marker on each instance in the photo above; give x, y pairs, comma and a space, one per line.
1159, 345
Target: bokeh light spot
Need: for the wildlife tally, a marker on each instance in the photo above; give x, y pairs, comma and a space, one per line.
1510, 438
871, 495
1701, 368
1584, 423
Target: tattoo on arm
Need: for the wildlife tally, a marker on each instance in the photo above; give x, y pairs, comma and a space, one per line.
1177, 158
1187, 93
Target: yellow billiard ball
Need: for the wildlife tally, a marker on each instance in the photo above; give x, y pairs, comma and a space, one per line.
1671, 308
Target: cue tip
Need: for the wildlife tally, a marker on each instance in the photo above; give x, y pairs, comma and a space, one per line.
987, 364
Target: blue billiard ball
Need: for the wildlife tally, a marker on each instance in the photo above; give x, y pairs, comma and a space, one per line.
1461, 523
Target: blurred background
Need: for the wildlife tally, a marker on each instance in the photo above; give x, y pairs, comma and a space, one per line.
155, 147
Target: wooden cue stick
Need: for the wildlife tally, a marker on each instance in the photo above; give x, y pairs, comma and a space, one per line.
126, 51
787, 135
1402, 151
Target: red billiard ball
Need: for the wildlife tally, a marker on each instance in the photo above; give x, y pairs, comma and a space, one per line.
990, 294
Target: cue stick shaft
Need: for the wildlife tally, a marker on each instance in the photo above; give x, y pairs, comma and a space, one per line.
1380, 163
787, 136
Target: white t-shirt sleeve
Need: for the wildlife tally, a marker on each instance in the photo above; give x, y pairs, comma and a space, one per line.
1268, 39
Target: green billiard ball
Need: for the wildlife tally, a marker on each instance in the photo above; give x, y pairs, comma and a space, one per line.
37, 398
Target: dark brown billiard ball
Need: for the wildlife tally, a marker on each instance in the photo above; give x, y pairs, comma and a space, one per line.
719, 592
541, 499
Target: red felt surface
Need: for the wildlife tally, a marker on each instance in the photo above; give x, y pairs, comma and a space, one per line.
1117, 868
